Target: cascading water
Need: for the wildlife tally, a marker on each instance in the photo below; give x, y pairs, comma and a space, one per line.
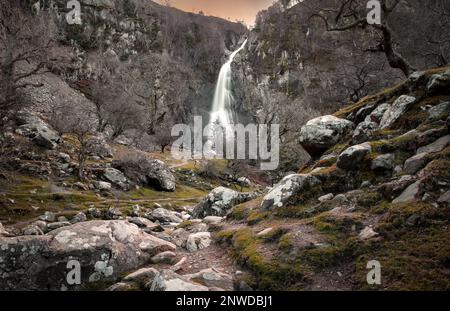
222, 107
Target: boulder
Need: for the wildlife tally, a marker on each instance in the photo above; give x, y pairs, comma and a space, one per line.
80, 217
165, 216
378, 113
364, 131
383, 162
212, 278
170, 281
142, 222
324, 132
445, 198
410, 194
439, 111
400, 106
104, 249
416, 163
436, 146
148, 172
117, 178
219, 201
288, 187
57, 225
438, 82
326, 197
212, 220
48, 216
367, 233
40, 132
33, 230
113, 213
353, 156
102, 185
97, 146
94, 212
142, 276
198, 241
164, 258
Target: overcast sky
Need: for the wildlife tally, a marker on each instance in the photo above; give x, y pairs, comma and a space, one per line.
245, 10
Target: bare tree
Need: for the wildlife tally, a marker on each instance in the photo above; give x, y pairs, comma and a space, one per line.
346, 15
25, 41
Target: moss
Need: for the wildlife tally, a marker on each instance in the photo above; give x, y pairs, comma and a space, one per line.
256, 216
185, 224
274, 235
368, 199
285, 243
224, 236
330, 256
294, 211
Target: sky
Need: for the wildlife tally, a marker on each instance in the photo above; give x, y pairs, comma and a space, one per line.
244, 10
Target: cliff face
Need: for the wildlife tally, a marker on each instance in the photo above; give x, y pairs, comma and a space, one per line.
168, 55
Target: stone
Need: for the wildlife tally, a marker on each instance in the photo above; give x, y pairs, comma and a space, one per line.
80, 217
326, 197
117, 178
416, 163
3, 231
365, 184
439, 111
212, 278
353, 156
212, 220
142, 276
142, 222
410, 194
113, 213
377, 114
120, 287
136, 210
105, 249
219, 201
287, 188
198, 241
48, 216
364, 131
164, 258
168, 280
32, 230
57, 225
383, 162
35, 128
321, 133
94, 212
436, 146
148, 172
62, 219
445, 198
98, 147
367, 233
103, 185
400, 106
165, 216
64, 157
438, 82
81, 186
264, 232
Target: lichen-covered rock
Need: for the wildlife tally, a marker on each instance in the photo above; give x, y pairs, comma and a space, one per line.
104, 250
378, 113
324, 132
364, 131
165, 216
219, 201
352, 156
212, 278
286, 189
40, 132
97, 146
439, 111
438, 82
383, 162
197, 241
394, 112
117, 178
410, 194
170, 281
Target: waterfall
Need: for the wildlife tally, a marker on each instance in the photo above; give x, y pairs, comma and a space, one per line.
222, 106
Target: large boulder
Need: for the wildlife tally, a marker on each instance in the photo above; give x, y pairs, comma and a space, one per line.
40, 132
352, 156
324, 132
400, 106
147, 171
103, 249
219, 201
286, 189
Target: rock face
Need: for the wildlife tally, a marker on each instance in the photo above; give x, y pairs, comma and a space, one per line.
352, 156
117, 178
147, 171
40, 132
324, 132
287, 188
104, 250
394, 112
218, 201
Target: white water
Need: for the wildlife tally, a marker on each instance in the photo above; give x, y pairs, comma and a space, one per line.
222, 107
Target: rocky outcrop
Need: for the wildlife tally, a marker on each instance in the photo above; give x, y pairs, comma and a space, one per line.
102, 249
219, 201
324, 132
